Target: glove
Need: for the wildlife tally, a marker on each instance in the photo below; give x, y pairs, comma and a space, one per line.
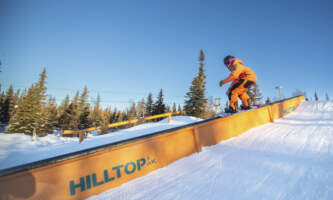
221, 83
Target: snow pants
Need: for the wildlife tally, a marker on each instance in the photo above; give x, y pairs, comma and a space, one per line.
239, 89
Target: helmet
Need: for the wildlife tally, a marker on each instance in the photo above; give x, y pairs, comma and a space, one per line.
228, 60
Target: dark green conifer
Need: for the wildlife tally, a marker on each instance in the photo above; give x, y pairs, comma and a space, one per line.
29, 113
96, 115
174, 108
140, 108
149, 105
195, 100
132, 113
8, 105
159, 106
316, 96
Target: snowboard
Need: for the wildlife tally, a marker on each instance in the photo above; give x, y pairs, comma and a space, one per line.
224, 114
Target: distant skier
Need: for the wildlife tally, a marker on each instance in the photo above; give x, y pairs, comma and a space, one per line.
242, 79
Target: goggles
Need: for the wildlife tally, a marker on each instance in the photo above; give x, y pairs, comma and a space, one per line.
229, 62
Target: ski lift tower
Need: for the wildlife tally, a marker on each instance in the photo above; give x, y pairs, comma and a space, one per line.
280, 91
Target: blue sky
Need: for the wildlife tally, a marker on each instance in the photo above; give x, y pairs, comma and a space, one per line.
125, 49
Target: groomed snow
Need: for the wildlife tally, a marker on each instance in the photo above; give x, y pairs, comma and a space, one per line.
18, 149
289, 159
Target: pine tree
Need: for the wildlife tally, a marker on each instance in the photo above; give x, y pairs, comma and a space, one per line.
327, 97
8, 105
62, 114
141, 108
255, 95
159, 106
83, 101
209, 112
106, 116
83, 119
179, 109
268, 101
114, 116
49, 115
149, 105
29, 113
316, 96
195, 100
96, 115
132, 114
69, 120
174, 108
167, 109
1, 104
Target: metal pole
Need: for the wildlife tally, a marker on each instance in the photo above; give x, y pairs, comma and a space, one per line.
217, 103
280, 91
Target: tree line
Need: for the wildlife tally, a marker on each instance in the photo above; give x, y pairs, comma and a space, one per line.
32, 110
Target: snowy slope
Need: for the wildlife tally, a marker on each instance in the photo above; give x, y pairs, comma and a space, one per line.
289, 159
18, 149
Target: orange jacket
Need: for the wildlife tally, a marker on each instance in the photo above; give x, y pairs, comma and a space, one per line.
239, 71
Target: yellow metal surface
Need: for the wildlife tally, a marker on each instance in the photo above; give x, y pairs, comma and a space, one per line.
66, 132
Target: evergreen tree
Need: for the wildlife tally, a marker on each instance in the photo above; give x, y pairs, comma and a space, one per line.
255, 95
121, 116
268, 101
195, 100
141, 108
316, 96
69, 119
1, 105
83, 101
49, 115
97, 113
167, 109
62, 113
209, 112
180, 110
174, 108
8, 105
149, 105
74, 111
106, 116
132, 114
114, 116
159, 106
63, 106
29, 113
83, 119
327, 97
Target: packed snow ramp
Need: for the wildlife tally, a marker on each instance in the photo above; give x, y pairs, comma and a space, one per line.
85, 173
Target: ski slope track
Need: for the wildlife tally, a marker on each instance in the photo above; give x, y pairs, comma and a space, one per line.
291, 158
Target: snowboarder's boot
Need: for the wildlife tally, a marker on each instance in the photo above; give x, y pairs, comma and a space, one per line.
245, 108
229, 110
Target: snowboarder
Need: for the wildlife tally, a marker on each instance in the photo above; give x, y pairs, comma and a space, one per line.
242, 78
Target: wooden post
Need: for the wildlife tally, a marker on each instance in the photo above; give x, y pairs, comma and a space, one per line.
169, 117
81, 136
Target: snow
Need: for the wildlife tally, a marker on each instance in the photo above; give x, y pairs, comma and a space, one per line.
289, 159
17, 149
